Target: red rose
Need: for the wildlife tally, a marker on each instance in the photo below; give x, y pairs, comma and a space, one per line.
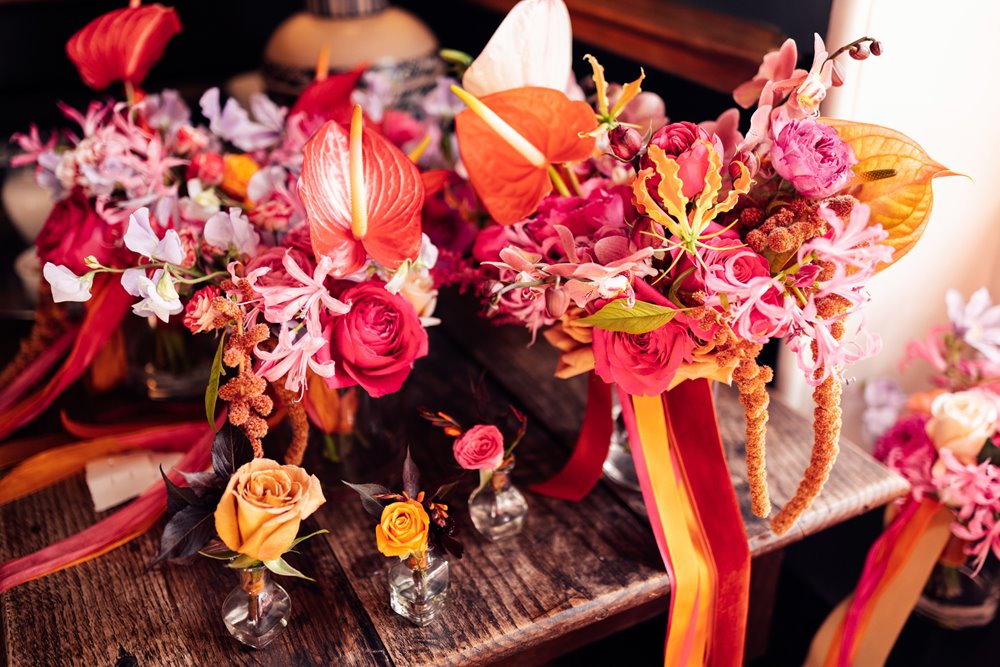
73, 231
374, 344
642, 364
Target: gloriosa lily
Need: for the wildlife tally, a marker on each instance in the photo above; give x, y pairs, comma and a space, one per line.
607, 115
687, 219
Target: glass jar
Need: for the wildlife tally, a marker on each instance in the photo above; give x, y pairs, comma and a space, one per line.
618, 466
498, 509
418, 587
257, 610
956, 598
166, 361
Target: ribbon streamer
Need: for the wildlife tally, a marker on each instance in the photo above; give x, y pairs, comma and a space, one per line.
863, 628
583, 470
684, 477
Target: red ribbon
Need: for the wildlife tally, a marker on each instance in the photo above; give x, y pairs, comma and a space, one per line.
584, 468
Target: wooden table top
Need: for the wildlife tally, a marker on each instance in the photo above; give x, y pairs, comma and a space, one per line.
578, 572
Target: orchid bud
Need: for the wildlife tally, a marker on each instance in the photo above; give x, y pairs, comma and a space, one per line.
876, 47
626, 142
859, 52
556, 301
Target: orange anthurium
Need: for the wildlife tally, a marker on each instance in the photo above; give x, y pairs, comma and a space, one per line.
122, 45
363, 197
509, 139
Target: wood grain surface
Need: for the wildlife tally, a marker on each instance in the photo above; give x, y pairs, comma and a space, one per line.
578, 572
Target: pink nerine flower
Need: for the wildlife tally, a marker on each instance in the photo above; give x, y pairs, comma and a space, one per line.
294, 354
812, 156
307, 297
480, 448
974, 492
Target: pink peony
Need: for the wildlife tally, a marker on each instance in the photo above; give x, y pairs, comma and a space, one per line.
813, 157
679, 141
376, 342
642, 364
480, 448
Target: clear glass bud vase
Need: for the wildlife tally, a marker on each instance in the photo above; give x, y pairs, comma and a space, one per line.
418, 587
498, 509
618, 466
958, 597
257, 610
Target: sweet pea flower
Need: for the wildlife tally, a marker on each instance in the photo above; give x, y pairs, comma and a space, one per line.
232, 230
976, 322
143, 241
66, 285
158, 294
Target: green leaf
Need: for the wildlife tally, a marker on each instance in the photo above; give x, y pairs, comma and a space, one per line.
243, 561
642, 317
212, 391
279, 566
300, 540
221, 554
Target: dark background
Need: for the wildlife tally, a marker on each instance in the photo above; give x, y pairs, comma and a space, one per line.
225, 37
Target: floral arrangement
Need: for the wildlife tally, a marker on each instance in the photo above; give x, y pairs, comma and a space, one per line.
294, 241
651, 252
945, 440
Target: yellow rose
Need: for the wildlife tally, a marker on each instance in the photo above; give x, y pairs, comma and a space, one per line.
402, 530
962, 422
263, 505
420, 292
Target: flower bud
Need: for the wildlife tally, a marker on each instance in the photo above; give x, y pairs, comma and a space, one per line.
860, 52
749, 160
626, 142
876, 47
91, 262
556, 301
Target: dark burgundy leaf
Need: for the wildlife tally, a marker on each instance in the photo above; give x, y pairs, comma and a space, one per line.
186, 533
178, 497
411, 476
230, 450
368, 493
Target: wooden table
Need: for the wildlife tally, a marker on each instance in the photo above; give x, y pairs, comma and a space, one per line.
579, 572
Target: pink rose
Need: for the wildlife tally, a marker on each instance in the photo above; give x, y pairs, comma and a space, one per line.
480, 448
812, 157
73, 231
642, 364
679, 141
374, 344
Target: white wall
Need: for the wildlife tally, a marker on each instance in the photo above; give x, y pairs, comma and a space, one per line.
937, 82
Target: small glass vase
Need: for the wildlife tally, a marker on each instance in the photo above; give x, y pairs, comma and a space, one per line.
618, 466
418, 587
498, 510
165, 361
256, 611
955, 598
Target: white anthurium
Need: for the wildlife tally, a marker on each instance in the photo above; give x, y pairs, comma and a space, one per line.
232, 230
159, 297
66, 285
142, 240
532, 47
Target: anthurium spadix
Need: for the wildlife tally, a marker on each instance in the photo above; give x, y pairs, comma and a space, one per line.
362, 195
510, 139
533, 46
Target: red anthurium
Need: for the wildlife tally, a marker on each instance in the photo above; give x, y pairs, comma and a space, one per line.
509, 139
122, 45
329, 97
363, 197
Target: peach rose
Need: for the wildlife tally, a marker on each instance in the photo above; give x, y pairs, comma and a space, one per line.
962, 422
402, 530
262, 507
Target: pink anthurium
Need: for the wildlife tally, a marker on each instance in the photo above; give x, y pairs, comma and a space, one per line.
531, 47
363, 197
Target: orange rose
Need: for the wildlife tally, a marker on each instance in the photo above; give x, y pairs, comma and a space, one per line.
402, 531
236, 174
262, 507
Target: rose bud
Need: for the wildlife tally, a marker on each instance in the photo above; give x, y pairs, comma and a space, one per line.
556, 301
749, 160
876, 47
626, 142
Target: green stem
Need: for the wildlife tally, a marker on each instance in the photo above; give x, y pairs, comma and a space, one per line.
558, 182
